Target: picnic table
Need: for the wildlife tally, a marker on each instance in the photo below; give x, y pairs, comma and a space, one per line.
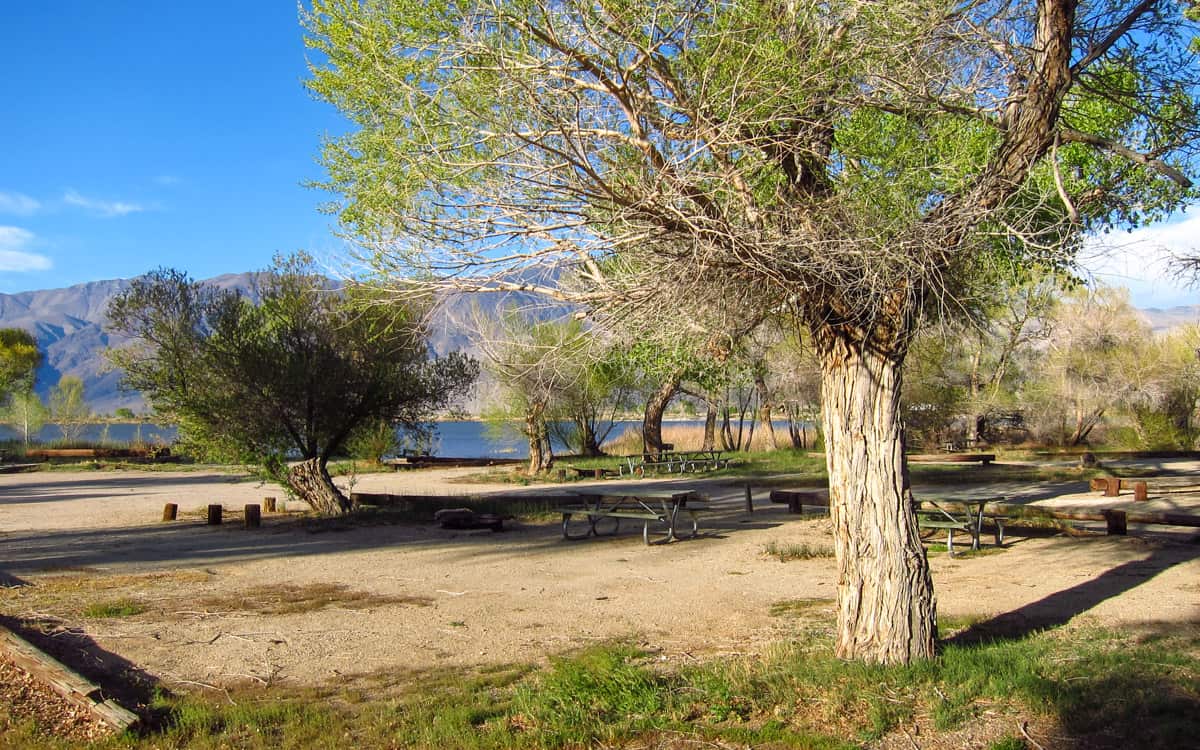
671, 461
658, 512
970, 519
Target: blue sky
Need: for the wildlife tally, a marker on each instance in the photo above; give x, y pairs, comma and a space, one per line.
140, 134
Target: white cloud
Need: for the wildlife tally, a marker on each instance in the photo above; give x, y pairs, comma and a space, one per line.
1141, 260
18, 203
107, 209
13, 257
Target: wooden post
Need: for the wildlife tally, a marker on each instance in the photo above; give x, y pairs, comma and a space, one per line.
268, 505
598, 473
1115, 519
1113, 487
214, 515
253, 516
170, 511
1141, 492
749, 500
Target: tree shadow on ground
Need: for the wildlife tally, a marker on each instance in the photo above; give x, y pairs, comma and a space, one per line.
1062, 606
1134, 694
74, 488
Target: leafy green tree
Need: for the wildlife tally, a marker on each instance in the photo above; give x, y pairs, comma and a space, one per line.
294, 376
124, 412
693, 168
25, 413
69, 408
19, 360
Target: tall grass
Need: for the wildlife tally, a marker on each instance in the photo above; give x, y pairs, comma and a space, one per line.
690, 437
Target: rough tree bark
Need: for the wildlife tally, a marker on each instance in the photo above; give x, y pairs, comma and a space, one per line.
886, 607
712, 407
540, 456
311, 482
764, 409
656, 406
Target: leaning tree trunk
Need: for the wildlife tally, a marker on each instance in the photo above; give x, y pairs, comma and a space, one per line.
886, 608
311, 482
764, 409
656, 406
710, 424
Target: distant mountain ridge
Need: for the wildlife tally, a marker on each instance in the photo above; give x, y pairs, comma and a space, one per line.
69, 325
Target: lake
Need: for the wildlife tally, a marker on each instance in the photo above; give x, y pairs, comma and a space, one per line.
466, 439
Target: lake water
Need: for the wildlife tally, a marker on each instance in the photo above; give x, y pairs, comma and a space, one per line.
467, 439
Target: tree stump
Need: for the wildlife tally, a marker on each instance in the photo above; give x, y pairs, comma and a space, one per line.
1115, 520
598, 473
253, 516
170, 512
214, 515
1141, 492
1112, 487
268, 505
749, 500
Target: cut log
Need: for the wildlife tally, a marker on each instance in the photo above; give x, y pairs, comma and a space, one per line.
214, 515
1140, 492
252, 516
268, 505
170, 512
64, 681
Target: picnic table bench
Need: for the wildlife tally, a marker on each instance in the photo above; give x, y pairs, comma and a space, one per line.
659, 512
943, 516
671, 461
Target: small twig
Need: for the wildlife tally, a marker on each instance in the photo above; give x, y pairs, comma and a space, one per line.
1032, 741
911, 741
453, 593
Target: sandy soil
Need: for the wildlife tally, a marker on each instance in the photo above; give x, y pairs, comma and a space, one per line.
445, 598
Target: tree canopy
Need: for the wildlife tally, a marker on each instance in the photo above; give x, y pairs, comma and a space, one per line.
294, 375
19, 360
696, 167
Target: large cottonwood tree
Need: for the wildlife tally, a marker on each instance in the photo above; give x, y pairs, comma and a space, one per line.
683, 161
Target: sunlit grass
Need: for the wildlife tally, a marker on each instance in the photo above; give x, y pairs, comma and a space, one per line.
1091, 686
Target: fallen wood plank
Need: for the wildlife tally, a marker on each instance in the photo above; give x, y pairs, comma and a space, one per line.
64, 681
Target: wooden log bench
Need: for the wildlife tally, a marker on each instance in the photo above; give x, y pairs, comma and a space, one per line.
797, 499
982, 459
465, 518
597, 472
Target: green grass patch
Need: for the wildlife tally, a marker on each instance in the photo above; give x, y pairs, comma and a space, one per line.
113, 609
796, 551
1094, 687
798, 607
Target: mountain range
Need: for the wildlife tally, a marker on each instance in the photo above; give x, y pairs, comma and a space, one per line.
69, 324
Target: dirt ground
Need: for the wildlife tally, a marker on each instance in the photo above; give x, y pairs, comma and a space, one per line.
212, 606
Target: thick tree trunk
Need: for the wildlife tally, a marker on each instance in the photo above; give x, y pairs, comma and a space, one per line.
589, 443
710, 425
311, 482
886, 608
656, 405
764, 409
540, 455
